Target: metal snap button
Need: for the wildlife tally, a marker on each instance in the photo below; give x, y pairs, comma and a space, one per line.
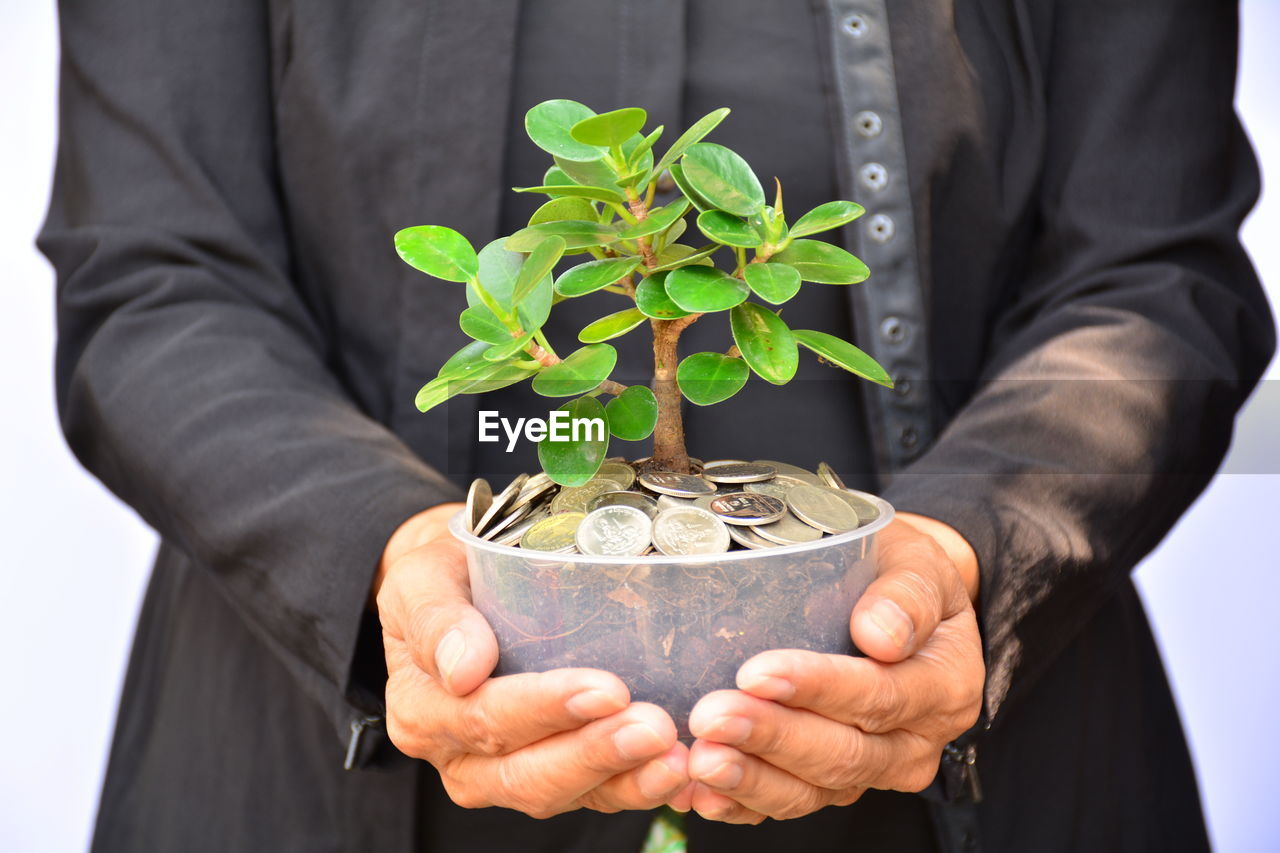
868, 124
881, 228
893, 329
856, 26
874, 176
908, 438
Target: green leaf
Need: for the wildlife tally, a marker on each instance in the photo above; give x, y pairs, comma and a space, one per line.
548, 125
728, 229
695, 133
483, 326
577, 234
593, 275
560, 209
644, 148
695, 198
706, 378
653, 301
671, 235
466, 360
572, 463
633, 414
765, 342
611, 326
702, 289
679, 255
772, 282
438, 251
722, 178
611, 128
499, 272
537, 266
823, 262
824, 217
588, 173
582, 371
556, 177
659, 219
843, 354
490, 376
509, 348
576, 191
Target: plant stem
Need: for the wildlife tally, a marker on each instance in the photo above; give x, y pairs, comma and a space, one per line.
669, 453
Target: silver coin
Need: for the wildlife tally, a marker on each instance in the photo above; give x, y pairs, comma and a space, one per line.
829, 477
737, 472
501, 503
704, 501
676, 485
795, 471
822, 508
614, 531
747, 508
534, 488
748, 538
788, 530
577, 498
512, 535
506, 522
689, 530
773, 488
479, 499
866, 510
620, 472
644, 503
553, 534
669, 502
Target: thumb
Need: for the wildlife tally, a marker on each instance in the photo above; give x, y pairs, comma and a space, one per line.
426, 601
917, 587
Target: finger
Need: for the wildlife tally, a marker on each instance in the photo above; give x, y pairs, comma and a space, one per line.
945, 687
682, 801
815, 749
713, 805
759, 787
426, 601
646, 787
552, 775
916, 588
501, 716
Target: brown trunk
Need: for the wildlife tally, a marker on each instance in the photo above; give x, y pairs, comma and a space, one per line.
669, 453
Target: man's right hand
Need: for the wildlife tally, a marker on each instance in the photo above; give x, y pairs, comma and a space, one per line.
539, 743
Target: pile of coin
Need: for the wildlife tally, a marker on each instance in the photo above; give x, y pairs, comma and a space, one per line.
728, 504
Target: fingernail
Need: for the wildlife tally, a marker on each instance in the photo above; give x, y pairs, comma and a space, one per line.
636, 741
658, 781
729, 730
766, 686
893, 621
449, 652
726, 777
593, 704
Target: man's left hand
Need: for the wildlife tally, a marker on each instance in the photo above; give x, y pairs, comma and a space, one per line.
808, 730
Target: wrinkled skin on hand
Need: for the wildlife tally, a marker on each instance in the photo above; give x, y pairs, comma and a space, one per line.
539, 743
806, 730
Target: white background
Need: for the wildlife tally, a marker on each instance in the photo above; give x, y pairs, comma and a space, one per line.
75, 560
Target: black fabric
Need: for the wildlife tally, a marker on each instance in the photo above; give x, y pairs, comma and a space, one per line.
239, 347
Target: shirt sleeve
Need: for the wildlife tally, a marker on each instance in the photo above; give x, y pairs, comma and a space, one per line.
191, 376
1137, 332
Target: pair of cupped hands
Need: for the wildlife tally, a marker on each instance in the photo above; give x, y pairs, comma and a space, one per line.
803, 730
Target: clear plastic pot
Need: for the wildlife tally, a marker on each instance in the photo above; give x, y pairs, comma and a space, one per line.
673, 628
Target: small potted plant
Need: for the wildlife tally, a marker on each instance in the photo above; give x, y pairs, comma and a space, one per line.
667, 571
